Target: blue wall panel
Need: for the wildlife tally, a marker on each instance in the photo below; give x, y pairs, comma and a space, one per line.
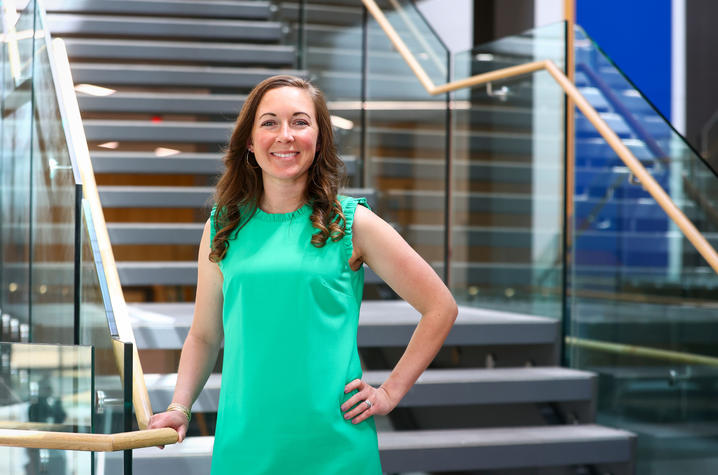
636, 34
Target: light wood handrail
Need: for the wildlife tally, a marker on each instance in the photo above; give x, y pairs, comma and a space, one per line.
642, 351
37, 439
647, 181
77, 145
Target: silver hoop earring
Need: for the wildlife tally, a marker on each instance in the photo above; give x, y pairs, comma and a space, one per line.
249, 164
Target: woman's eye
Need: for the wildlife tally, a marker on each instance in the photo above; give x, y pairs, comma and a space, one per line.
302, 122
267, 123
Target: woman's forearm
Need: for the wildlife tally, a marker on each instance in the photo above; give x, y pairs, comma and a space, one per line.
429, 336
197, 361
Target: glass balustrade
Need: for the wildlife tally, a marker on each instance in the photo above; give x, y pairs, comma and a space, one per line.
55, 189
407, 135
17, 150
508, 178
330, 55
53, 281
46, 388
637, 281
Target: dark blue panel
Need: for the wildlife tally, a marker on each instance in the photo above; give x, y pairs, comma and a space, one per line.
636, 35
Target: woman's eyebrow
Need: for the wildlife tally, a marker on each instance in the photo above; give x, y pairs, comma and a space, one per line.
275, 115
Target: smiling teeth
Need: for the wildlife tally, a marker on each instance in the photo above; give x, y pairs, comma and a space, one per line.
285, 155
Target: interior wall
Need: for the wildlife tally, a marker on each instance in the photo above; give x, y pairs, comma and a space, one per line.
701, 66
452, 20
495, 19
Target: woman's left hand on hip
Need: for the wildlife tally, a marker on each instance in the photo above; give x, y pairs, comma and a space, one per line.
368, 401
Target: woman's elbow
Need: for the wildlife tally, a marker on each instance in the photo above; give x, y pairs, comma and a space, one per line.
452, 310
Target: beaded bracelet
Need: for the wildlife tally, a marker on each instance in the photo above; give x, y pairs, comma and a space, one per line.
175, 406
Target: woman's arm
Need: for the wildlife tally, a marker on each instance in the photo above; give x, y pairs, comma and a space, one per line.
386, 252
200, 349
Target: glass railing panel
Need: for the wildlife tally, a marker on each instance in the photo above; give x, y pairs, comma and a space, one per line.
15, 192
54, 193
46, 388
636, 281
97, 327
330, 53
508, 175
407, 140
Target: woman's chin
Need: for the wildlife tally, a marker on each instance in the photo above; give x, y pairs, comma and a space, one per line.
286, 174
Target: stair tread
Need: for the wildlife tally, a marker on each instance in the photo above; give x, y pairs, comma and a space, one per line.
466, 386
515, 438
210, 8
176, 68
173, 75
178, 45
430, 376
374, 312
84, 19
381, 323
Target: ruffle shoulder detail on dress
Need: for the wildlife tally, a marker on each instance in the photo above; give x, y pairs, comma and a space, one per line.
349, 206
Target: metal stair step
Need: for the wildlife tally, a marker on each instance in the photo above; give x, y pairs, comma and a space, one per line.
260, 10
155, 196
231, 53
164, 131
328, 14
435, 387
167, 76
149, 162
155, 233
504, 448
164, 103
439, 450
152, 27
381, 323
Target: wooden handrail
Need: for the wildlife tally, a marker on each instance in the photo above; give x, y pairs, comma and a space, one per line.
647, 181
37, 439
642, 351
77, 145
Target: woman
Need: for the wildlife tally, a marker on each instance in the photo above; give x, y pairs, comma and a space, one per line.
281, 278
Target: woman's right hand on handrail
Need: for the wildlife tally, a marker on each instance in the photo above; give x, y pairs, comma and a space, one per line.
174, 419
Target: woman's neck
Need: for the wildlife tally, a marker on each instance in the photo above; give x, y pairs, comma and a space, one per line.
283, 197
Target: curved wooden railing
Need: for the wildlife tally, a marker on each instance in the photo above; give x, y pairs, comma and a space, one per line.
80, 154
642, 351
633, 164
37, 439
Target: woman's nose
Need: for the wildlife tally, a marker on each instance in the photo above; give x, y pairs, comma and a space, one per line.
285, 134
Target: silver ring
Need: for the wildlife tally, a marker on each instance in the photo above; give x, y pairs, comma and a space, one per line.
368, 404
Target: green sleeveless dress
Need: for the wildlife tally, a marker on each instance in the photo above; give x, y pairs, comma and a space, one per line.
290, 320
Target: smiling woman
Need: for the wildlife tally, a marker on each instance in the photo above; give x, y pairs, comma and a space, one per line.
284, 138
280, 276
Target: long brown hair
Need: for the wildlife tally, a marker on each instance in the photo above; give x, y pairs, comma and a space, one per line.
240, 187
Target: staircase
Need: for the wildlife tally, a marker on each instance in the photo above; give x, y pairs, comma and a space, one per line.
494, 401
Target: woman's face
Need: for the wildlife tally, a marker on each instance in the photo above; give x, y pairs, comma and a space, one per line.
284, 134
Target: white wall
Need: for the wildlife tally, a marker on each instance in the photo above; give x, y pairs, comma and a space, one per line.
547, 12
452, 20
